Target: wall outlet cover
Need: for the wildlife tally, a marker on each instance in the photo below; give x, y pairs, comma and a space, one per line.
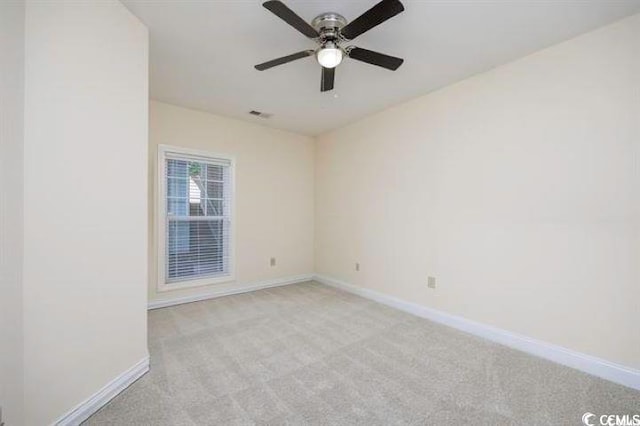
431, 282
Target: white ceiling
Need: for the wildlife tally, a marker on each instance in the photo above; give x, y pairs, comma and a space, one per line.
203, 52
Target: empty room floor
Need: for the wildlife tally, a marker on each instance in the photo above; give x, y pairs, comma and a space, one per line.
312, 354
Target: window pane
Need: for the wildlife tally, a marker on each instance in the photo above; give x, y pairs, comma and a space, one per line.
215, 189
198, 222
196, 248
214, 207
195, 169
178, 241
177, 187
177, 168
197, 209
177, 207
215, 172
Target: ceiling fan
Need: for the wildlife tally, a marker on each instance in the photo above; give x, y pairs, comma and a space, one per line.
330, 30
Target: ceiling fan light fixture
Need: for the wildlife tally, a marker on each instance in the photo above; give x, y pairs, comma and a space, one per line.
330, 56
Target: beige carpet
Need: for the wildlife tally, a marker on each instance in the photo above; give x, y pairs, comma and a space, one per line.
311, 354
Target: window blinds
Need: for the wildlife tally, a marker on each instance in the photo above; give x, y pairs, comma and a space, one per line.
198, 217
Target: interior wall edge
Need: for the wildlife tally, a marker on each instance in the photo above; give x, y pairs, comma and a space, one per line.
12, 46
86, 408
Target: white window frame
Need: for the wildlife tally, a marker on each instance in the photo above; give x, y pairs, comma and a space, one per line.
161, 219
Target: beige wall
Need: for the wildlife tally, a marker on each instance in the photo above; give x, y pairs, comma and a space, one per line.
518, 189
11, 222
85, 204
274, 193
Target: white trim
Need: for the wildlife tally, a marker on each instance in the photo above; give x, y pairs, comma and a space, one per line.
85, 409
617, 373
258, 285
160, 218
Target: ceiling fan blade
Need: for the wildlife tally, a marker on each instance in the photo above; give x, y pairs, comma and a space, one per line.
328, 76
374, 58
379, 13
289, 16
279, 61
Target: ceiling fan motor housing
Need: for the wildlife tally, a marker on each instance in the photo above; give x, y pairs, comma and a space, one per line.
329, 25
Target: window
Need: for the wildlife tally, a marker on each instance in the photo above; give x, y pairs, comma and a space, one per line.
195, 218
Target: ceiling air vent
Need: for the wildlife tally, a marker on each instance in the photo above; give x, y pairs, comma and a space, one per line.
260, 114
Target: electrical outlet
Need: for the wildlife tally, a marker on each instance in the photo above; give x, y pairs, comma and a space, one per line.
431, 282
272, 262
357, 267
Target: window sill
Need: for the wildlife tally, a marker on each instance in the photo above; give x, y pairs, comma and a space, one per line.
200, 282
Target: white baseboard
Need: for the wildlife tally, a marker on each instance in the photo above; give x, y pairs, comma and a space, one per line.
617, 373
92, 404
259, 285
